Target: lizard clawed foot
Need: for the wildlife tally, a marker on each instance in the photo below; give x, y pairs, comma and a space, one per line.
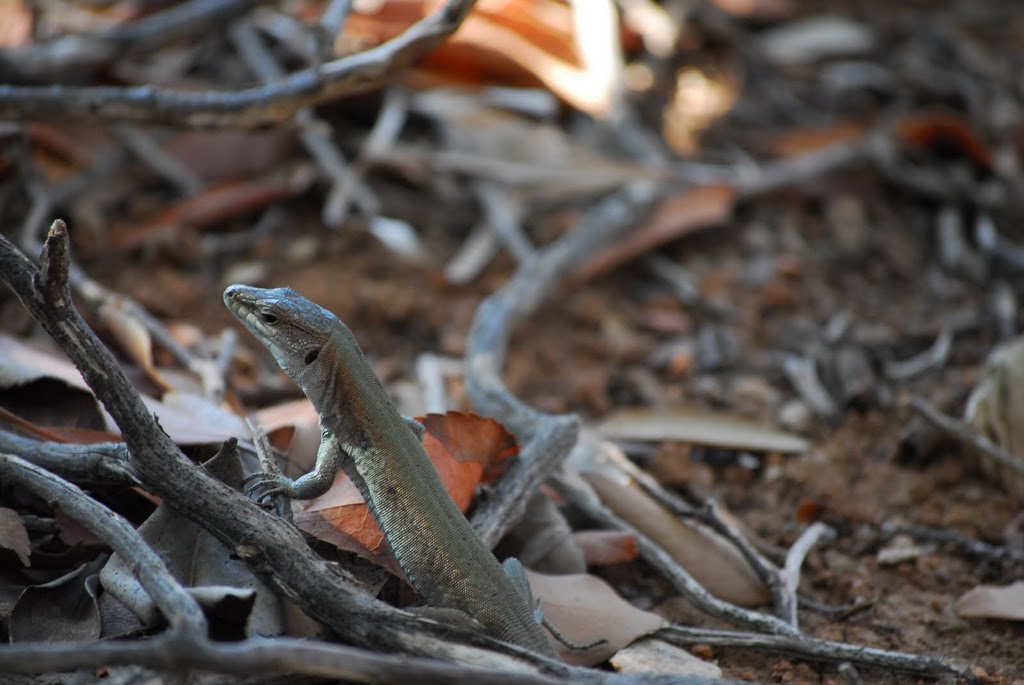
261, 486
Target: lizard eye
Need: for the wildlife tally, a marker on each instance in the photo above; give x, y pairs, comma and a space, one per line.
268, 317
311, 356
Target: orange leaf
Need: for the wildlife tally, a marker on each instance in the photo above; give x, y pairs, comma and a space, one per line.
503, 42
340, 516
607, 547
676, 216
467, 438
945, 133
810, 510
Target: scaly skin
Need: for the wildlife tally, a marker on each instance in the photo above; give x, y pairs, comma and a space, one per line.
363, 433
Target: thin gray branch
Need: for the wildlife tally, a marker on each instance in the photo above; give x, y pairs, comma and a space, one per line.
260, 105
812, 648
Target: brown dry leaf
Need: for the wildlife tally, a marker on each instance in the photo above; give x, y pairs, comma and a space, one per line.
944, 132
675, 216
133, 336
62, 610
708, 557
341, 517
993, 601
585, 609
699, 427
804, 140
13, 535
607, 547
64, 434
221, 155
225, 201
469, 439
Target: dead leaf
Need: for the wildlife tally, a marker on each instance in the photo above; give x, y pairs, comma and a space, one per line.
995, 409
222, 155
674, 217
992, 601
585, 609
469, 438
65, 434
943, 133
341, 517
219, 203
654, 656
701, 428
13, 535
501, 42
606, 547
900, 549
133, 336
816, 37
62, 610
537, 159
708, 557
804, 140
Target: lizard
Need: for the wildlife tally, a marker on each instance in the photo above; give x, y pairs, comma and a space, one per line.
363, 433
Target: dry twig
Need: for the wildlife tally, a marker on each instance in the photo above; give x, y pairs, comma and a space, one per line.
261, 105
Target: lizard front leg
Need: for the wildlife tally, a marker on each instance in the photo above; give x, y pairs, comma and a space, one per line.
263, 485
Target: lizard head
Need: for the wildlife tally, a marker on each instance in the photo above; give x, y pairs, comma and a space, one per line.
294, 329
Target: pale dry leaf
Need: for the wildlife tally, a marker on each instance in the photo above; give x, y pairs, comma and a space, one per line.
62, 610
537, 159
22, 363
992, 601
654, 656
699, 427
708, 557
194, 420
133, 337
13, 535
585, 609
995, 409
